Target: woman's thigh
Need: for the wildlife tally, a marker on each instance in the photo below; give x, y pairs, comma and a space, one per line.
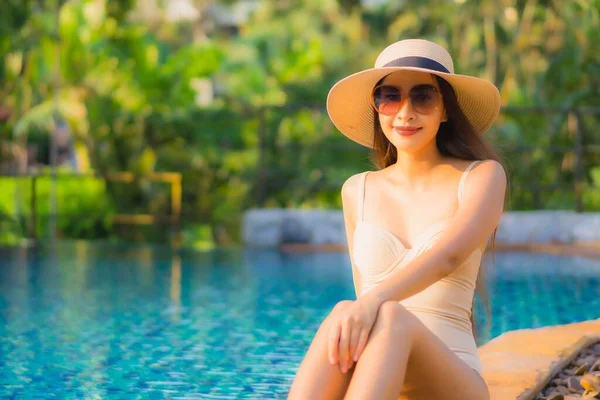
316, 377
435, 372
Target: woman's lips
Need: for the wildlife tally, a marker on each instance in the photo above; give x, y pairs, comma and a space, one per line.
406, 130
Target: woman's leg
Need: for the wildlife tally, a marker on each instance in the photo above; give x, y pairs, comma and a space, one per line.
402, 355
316, 377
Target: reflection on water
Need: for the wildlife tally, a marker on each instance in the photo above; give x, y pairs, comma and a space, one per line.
176, 285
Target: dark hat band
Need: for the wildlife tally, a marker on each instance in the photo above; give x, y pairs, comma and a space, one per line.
419, 62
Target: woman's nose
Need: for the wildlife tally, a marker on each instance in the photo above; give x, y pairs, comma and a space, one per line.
405, 110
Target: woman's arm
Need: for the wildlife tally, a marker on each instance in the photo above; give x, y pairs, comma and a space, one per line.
349, 206
477, 216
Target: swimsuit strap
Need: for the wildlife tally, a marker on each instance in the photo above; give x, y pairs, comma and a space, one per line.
361, 195
463, 178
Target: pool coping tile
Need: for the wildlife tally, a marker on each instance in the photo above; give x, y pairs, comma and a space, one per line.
518, 364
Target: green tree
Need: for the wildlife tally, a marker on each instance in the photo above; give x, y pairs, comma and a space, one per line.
128, 88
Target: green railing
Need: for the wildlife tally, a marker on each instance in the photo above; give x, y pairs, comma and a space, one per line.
31, 219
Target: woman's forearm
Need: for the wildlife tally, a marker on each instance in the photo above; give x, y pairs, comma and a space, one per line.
422, 272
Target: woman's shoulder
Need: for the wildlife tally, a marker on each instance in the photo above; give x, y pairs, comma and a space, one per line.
350, 193
350, 188
491, 170
486, 167
461, 165
485, 175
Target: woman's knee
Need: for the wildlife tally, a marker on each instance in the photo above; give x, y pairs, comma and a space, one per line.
333, 314
340, 306
393, 317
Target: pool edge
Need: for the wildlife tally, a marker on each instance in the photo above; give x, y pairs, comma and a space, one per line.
518, 364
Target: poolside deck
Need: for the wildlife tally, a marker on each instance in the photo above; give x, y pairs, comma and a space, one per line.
518, 364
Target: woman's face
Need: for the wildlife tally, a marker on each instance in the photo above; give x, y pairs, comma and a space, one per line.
410, 109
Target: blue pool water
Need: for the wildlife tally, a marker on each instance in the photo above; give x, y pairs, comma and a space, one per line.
130, 322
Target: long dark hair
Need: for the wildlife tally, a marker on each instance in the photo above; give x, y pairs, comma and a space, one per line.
457, 138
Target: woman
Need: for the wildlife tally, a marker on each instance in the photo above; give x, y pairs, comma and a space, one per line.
417, 229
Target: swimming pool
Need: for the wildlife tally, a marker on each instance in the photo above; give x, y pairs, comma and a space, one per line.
110, 322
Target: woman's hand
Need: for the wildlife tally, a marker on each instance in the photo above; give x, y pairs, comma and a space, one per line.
349, 333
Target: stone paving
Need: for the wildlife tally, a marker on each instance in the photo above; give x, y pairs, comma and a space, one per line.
579, 380
519, 364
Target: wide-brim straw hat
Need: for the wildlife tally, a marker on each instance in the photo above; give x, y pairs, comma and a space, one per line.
349, 104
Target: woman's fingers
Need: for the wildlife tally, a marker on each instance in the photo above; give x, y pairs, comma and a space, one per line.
354, 337
334, 337
362, 342
344, 350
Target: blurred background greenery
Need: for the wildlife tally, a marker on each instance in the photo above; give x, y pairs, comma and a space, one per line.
230, 94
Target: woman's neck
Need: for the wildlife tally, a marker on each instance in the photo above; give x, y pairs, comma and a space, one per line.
414, 169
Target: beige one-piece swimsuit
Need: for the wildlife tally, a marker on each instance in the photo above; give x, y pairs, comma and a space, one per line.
445, 306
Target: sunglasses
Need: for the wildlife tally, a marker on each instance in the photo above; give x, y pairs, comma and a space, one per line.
387, 99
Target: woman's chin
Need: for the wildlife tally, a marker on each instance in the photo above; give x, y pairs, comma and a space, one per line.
410, 143
407, 143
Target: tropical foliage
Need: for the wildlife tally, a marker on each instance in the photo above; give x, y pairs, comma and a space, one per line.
133, 87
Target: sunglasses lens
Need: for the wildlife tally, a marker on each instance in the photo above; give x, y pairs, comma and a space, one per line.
387, 99
424, 99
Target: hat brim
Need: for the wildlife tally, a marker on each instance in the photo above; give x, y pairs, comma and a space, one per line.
350, 110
